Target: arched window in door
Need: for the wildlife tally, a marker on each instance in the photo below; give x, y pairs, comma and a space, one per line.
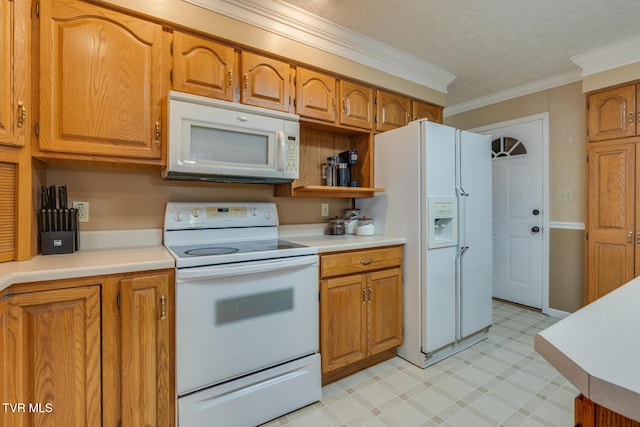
506, 147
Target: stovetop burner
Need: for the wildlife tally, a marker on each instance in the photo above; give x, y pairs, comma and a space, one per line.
216, 250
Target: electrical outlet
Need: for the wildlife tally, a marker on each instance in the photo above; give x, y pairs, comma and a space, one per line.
566, 195
83, 211
325, 209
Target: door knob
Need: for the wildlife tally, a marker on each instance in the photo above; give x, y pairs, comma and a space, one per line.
535, 229
536, 212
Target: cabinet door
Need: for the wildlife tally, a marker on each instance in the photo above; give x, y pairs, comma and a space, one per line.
384, 320
202, 66
422, 110
146, 316
356, 107
9, 212
6, 368
612, 113
100, 81
611, 211
54, 354
15, 72
316, 95
266, 82
392, 111
342, 321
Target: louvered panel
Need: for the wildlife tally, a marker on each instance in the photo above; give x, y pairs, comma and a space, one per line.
8, 209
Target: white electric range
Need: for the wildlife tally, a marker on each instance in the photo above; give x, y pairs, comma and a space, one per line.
246, 315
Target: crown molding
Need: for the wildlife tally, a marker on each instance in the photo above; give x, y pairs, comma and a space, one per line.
296, 24
618, 54
527, 89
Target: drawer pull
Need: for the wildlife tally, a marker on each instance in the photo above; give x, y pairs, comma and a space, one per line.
364, 295
366, 261
369, 295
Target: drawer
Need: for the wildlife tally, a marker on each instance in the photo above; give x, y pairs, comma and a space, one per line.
350, 262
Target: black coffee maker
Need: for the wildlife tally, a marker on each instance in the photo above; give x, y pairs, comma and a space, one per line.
346, 160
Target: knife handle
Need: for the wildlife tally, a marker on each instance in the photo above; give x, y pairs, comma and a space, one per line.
44, 197
52, 197
44, 221
62, 197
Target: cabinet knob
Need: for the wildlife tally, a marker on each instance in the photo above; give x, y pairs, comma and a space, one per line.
366, 261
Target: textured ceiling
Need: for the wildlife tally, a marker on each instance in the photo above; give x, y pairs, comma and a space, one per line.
491, 45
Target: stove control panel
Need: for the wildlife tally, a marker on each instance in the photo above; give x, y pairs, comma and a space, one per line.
186, 215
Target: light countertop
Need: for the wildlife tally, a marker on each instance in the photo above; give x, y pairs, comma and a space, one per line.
101, 252
313, 235
123, 251
597, 347
85, 263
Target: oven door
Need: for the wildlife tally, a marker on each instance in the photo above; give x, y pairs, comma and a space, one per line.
235, 319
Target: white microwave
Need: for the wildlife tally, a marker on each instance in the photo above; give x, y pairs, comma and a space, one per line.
214, 140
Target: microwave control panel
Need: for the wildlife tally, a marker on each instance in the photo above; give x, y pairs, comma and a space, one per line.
292, 156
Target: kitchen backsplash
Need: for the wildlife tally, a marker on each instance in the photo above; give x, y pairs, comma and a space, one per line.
121, 198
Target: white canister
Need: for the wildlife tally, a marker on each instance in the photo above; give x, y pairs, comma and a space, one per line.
365, 227
350, 226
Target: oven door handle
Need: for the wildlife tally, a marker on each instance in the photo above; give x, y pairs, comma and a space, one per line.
244, 268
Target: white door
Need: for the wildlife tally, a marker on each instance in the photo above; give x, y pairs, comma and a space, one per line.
518, 214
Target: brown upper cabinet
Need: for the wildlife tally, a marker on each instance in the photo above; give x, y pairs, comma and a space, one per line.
266, 82
392, 110
423, 110
202, 66
612, 113
339, 102
15, 72
100, 83
356, 105
316, 95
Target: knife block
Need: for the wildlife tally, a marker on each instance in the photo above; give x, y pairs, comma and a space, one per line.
57, 242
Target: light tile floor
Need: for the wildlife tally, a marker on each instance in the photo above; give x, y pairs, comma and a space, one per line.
500, 381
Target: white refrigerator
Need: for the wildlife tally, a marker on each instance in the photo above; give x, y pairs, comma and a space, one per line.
438, 190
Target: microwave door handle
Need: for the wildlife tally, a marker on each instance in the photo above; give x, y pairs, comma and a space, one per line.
282, 150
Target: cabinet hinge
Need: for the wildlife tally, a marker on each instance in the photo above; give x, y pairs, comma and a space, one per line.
586, 235
171, 47
36, 129
320, 296
118, 301
171, 76
37, 9
587, 131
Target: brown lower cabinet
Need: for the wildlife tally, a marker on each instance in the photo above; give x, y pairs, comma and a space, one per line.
590, 414
93, 351
360, 309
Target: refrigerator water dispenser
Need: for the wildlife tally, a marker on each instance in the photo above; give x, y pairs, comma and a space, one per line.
443, 222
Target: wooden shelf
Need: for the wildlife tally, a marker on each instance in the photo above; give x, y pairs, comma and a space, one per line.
324, 191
